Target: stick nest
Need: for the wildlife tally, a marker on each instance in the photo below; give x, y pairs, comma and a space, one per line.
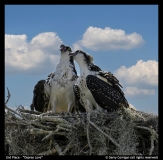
124, 132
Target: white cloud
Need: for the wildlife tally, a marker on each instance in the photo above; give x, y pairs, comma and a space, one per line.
109, 39
139, 80
48, 41
39, 55
76, 46
139, 93
143, 74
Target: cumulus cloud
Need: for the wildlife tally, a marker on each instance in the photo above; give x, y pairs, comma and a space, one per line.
140, 79
39, 55
137, 92
109, 39
144, 73
76, 46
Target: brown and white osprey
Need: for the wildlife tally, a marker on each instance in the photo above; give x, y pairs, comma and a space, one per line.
96, 88
57, 90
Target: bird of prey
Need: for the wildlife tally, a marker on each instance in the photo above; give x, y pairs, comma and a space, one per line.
96, 88
58, 88
62, 97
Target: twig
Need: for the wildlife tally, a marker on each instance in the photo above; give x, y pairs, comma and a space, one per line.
38, 124
58, 149
144, 128
68, 147
8, 97
10, 116
29, 111
107, 129
16, 123
15, 112
49, 152
49, 135
88, 139
154, 136
152, 147
41, 131
61, 128
52, 119
29, 116
67, 126
152, 131
48, 113
114, 142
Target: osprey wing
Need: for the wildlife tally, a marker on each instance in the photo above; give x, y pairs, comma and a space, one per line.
111, 79
40, 101
106, 96
78, 99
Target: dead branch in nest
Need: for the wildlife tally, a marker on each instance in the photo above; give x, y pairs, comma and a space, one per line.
29, 111
110, 138
14, 112
57, 147
114, 133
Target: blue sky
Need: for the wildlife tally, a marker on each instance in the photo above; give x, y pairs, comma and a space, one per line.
122, 39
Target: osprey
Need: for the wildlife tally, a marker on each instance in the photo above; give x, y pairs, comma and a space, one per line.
62, 98
56, 93
96, 88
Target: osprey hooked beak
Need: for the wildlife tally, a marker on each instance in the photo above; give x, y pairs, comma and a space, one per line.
62, 48
73, 54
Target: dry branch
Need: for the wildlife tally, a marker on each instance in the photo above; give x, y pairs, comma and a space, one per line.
29, 111
53, 119
110, 138
8, 97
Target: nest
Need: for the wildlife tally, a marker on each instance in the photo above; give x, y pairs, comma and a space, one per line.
124, 132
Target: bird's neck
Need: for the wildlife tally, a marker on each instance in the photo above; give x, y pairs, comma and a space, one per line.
66, 64
64, 61
84, 71
64, 57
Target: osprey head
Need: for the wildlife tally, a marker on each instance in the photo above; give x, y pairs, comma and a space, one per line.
64, 48
82, 56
